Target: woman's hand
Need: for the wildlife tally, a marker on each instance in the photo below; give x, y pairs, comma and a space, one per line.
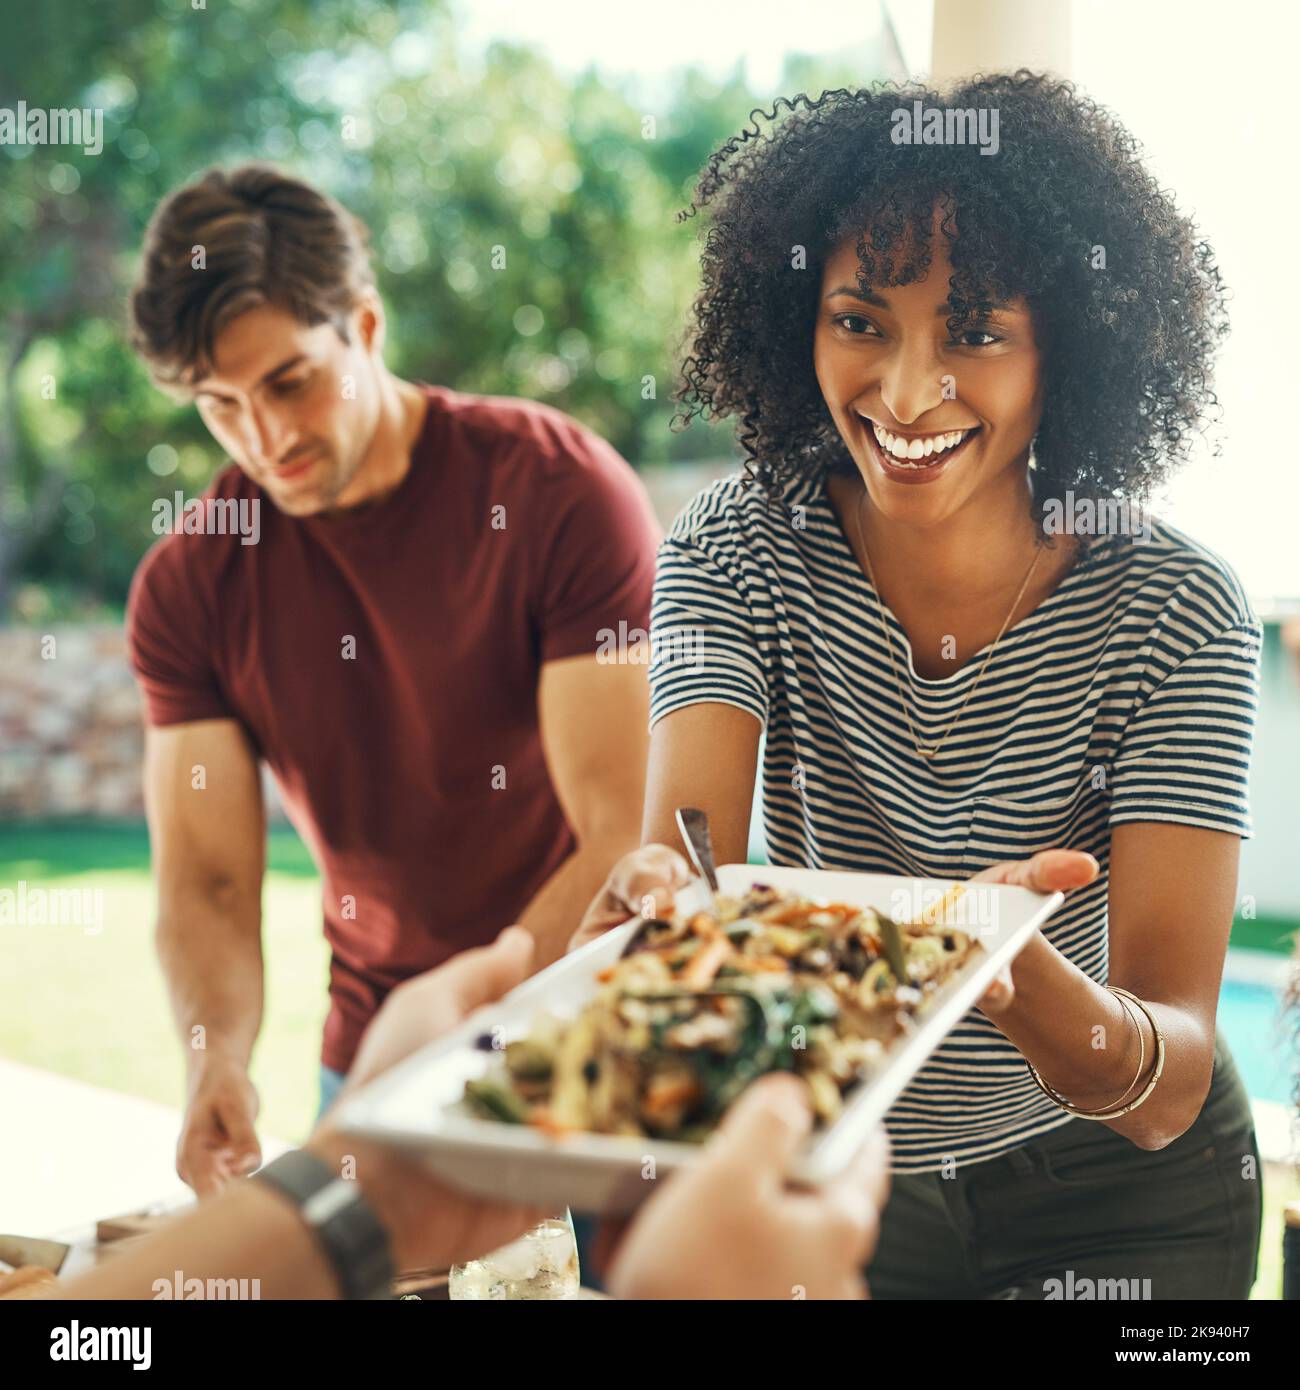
729, 1227
1048, 871
640, 884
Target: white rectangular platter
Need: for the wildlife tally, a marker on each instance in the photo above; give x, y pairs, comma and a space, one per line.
418, 1105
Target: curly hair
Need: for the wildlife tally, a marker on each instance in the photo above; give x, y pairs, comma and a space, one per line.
1127, 345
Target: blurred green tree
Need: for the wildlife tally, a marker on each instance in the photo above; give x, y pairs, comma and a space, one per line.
445, 154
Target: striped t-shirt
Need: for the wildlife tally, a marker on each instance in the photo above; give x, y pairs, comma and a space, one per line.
1128, 694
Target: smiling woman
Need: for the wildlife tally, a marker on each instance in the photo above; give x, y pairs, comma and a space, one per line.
1065, 219
924, 348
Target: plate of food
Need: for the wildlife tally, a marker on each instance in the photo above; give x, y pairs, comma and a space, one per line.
608, 1069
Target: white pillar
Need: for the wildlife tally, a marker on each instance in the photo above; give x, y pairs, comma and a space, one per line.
973, 36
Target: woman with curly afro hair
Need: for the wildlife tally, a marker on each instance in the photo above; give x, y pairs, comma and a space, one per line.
958, 367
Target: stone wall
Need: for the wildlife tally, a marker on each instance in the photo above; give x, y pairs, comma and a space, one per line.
70, 726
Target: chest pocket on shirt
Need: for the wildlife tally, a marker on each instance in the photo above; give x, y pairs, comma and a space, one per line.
1016, 827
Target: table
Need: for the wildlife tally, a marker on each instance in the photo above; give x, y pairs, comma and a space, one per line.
73, 1153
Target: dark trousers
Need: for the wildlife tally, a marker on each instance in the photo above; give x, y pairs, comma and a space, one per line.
1083, 1212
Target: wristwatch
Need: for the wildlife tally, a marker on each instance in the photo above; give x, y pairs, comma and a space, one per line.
341, 1219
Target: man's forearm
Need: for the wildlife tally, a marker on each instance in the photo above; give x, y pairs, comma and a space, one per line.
212, 962
558, 906
250, 1232
247, 1233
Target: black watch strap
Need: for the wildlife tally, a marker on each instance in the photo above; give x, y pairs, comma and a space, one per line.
340, 1217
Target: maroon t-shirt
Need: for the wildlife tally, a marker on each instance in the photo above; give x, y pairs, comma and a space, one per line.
385, 663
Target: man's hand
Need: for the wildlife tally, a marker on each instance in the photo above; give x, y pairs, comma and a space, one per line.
251, 1232
429, 1225
218, 1141
729, 1227
427, 1006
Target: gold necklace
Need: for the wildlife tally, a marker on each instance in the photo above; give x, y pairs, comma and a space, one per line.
929, 753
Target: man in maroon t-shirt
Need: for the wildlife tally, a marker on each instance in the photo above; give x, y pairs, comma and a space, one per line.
405, 600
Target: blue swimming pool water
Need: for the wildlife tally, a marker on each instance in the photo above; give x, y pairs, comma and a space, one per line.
1249, 1017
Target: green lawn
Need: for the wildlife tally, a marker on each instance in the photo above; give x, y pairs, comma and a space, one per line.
92, 1006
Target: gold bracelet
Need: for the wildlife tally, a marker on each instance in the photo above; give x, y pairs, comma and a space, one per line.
1115, 1112
1159, 1037
1104, 1110
1142, 1043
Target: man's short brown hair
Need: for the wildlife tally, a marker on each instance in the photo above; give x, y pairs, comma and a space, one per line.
234, 240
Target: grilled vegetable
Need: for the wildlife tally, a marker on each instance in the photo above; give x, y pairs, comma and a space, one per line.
894, 951
698, 1007
496, 1101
